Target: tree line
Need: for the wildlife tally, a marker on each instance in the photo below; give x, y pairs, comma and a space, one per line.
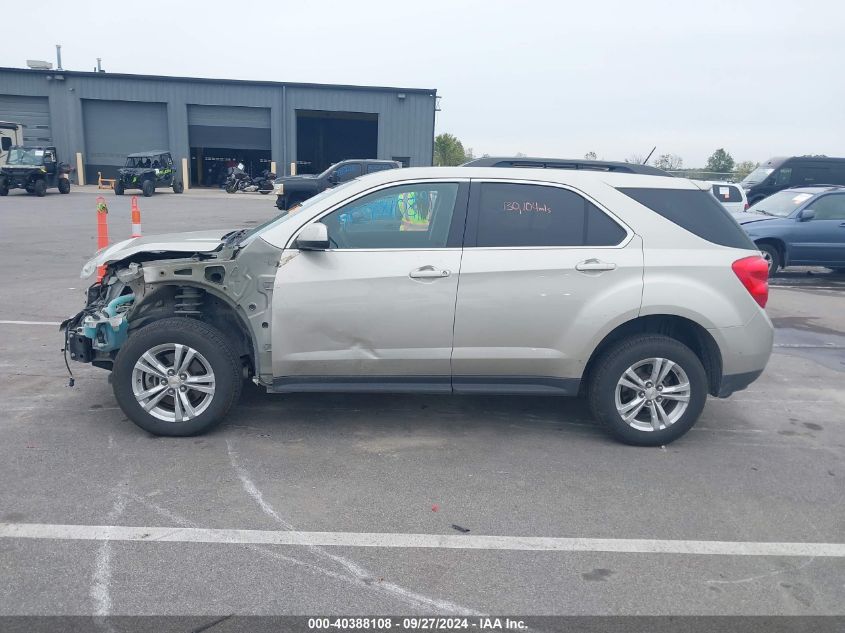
448, 151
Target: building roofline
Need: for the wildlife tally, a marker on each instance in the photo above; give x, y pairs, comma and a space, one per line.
78, 73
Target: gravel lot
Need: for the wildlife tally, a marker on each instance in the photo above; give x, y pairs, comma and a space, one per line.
765, 466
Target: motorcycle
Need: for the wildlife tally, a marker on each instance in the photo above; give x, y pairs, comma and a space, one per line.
239, 180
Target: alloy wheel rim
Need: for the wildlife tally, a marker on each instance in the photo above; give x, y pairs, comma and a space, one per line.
652, 394
768, 257
173, 382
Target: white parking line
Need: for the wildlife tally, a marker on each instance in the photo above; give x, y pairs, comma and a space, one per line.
413, 541
56, 323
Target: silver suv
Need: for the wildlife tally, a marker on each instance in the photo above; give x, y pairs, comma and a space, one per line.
639, 292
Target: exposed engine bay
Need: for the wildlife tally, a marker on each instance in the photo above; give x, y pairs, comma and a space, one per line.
229, 286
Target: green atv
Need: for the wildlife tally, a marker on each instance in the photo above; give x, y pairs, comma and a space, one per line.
147, 171
34, 169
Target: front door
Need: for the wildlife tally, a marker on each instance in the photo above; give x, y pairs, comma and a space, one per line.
376, 310
543, 268
820, 241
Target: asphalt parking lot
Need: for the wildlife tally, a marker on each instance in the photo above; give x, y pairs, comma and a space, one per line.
359, 479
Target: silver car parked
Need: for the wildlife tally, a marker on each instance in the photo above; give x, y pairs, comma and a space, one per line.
639, 292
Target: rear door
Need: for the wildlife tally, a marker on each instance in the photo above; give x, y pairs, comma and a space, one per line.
544, 268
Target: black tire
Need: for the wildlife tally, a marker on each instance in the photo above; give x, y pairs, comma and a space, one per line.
148, 188
178, 187
611, 367
205, 339
281, 203
772, 255
233, 188
40, 188
4, 187
64, 185
119, 188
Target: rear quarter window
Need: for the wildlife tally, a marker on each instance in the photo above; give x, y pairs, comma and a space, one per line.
727, 193
694, 210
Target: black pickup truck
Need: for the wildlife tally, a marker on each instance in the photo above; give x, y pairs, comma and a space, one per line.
291, 190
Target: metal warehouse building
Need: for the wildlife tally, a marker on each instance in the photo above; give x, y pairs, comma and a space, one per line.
106, 116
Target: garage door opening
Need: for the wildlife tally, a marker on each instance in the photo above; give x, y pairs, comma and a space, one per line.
220, 137
323, 138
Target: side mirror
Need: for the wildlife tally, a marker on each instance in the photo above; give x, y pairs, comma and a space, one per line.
807, 214
314, 237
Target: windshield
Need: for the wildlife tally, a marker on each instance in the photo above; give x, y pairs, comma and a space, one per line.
758, 175
24, 156
141, 161
284, 217
781, 204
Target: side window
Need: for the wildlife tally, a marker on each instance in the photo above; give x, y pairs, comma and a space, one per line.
831, 207
727, 193
348, 172
405, 161
784, 176
7, 143
373, 167
407, 216
811, 175
511, 214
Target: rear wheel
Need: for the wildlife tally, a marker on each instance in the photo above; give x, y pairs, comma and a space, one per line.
4, 187
177, 377
148, 188
648, 390
772, 256
118, 188
40, 188
64, 185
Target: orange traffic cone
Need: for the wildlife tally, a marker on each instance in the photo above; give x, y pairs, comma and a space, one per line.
102, 231
136, 218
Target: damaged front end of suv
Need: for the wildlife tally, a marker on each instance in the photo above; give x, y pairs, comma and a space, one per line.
180, 320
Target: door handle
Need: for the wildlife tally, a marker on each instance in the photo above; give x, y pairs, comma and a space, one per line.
842, 225
592, 265
428, 272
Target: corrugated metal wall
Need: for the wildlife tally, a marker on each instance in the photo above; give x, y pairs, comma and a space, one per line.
405, 125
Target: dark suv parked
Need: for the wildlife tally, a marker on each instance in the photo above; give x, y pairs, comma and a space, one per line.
801, 226
291, 190
782, 172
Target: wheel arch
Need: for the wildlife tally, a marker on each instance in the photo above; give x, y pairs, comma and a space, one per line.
779, 244
214, 308
682, 329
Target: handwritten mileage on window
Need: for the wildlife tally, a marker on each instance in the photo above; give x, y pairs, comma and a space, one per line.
527, 207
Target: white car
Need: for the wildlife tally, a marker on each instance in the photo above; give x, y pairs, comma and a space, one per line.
730, 194
637, 291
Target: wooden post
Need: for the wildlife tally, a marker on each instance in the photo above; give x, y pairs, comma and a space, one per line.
186, 181
80, 170
273, 166
293, 168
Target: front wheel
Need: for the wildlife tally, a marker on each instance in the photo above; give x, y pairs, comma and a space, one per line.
40, 188
4, 187
119, 188
148, 188
648, 390
178, 187
64, 185
177, 377
772, 256
231, 187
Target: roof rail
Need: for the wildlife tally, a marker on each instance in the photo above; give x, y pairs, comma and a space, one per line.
566, 163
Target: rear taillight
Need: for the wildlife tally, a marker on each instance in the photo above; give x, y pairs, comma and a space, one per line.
745, 208
753, 272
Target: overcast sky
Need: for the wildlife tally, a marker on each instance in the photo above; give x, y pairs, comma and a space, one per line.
540, 77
